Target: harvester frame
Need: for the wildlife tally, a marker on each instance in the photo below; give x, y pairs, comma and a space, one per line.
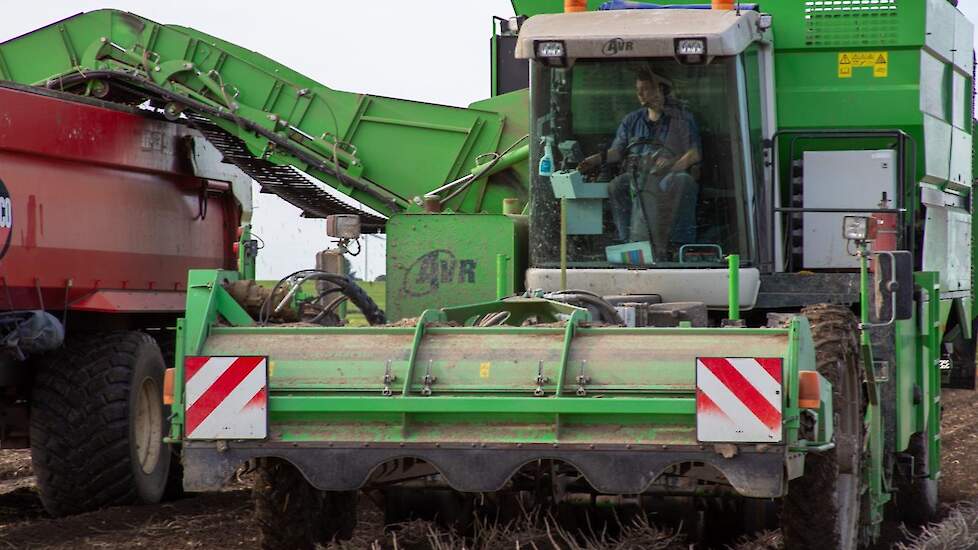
560, 381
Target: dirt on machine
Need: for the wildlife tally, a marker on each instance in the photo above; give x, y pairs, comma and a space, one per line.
708, 264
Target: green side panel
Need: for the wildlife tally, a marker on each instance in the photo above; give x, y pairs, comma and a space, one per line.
929, 342
444, 260
388, 151
810, 94
908, 373
534, 7
487, 195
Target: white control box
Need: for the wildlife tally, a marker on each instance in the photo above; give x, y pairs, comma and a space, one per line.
841, 179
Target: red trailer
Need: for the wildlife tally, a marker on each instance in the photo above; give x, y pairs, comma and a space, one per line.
103, 209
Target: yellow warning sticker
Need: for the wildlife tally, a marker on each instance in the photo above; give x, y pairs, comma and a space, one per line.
878, 61
484, 370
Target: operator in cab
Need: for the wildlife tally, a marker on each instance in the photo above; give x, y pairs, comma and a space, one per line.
653, 198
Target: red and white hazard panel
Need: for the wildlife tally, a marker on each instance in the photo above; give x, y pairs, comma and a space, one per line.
226, 397
738, 400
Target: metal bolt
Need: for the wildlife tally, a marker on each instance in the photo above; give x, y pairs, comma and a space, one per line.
628, 446
103, 40
156, 68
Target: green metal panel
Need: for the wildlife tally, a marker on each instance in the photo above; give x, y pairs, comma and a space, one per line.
450, 259
641, 384
906, 373
929, 379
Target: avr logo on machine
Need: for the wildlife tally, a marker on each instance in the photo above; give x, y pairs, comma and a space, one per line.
437, 268
617, 45
6, 219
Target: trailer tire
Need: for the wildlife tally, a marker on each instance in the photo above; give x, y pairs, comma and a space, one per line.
292, 514
821, 509
97, 424
918, 497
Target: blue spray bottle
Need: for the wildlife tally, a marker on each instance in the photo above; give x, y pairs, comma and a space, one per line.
546, 167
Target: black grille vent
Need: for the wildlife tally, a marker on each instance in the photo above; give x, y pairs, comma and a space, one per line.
851, 22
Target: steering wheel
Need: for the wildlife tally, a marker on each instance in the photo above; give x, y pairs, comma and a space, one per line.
647, 163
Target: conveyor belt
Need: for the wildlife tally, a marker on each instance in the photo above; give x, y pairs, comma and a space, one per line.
284, 181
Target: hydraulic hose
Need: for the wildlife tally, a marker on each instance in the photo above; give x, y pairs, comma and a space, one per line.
346, 286
608, 312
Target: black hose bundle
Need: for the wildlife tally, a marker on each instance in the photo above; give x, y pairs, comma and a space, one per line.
349, 289
608, 312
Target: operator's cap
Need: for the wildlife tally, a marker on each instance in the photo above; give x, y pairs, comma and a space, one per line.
647, 74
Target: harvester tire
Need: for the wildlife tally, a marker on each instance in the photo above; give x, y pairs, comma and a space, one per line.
97, 424
822, 507
292, 514
918, 497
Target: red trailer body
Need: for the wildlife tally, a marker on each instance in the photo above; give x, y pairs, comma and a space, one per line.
103, 210
100, 205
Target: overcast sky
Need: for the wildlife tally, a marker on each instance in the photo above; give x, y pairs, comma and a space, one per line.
428, 50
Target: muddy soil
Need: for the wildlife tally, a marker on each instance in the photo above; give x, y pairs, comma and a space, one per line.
223, 520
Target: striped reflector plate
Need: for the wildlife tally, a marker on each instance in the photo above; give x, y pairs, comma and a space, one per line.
226, 397
738, 400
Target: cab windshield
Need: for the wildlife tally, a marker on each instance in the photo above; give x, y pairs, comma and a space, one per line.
649, 159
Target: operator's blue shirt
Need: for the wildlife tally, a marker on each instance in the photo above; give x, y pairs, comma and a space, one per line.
676, 129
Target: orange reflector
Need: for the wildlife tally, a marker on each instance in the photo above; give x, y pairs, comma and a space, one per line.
168, 386
235, 248
809, 390
575, 5
723, 5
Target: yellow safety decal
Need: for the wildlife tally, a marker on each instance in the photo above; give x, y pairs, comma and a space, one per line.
878, 61
484, 370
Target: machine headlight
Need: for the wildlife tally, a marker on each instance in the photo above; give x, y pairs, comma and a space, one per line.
343, 226
551, 48
855, 228
690, 46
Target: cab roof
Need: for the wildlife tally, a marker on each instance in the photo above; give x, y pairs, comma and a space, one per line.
639, 33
